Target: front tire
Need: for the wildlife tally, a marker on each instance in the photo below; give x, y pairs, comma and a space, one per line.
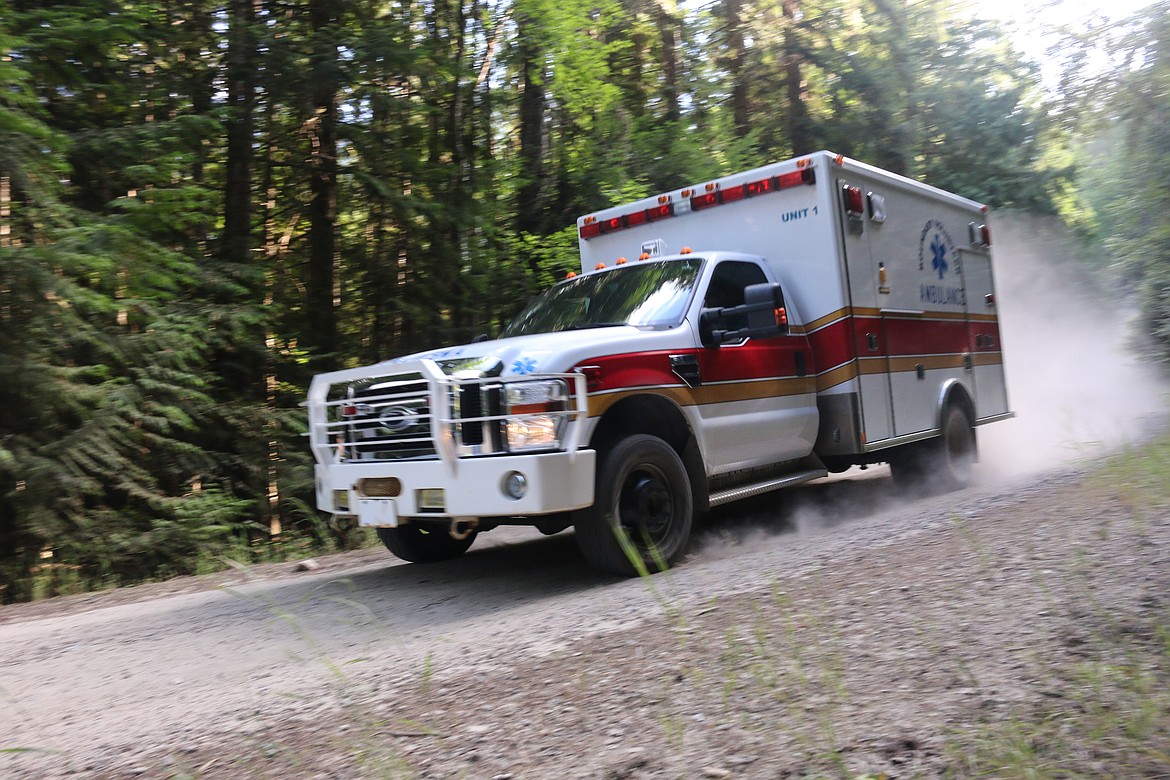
642, 511
424, 542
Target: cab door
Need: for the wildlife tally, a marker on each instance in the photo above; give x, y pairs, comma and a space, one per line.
756, 397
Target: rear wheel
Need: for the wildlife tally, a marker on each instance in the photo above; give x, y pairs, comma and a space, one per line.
943, 463
642, 511
425, 542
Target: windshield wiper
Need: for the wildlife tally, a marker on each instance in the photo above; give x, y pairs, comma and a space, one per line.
590, 325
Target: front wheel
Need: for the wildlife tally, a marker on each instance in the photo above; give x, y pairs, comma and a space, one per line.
424, 542
642, 511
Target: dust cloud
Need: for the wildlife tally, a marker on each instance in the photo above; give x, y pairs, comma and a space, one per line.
1077, 377
1077, 381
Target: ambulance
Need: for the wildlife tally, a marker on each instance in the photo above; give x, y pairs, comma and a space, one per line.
721, 341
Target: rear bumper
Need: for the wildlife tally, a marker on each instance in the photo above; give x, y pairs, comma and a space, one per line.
471, 487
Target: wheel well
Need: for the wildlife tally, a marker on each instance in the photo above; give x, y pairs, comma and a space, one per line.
656, 416
957, 394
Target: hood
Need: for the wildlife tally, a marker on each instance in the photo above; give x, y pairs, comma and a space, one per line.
541, 353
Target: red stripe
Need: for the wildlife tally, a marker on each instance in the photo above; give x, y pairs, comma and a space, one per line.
757, 359
833, 345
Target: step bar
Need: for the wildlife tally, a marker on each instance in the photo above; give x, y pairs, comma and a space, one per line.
759, 488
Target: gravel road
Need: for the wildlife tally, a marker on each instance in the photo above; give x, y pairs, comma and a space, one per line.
839, 620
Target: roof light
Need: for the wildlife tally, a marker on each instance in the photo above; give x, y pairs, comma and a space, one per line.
796, 178
733, 194
754, 188
655, 213
635, 218
705, 200
611, 224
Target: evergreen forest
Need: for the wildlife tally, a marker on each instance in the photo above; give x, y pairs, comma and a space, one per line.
205, 202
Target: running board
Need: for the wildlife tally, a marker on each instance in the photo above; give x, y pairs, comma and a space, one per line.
747, 491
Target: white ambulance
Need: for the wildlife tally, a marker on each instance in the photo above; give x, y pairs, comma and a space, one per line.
721, 340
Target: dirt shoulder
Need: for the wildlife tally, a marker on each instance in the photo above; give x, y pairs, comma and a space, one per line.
894, 639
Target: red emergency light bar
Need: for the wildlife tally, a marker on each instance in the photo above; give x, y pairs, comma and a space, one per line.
714, 196
595, 227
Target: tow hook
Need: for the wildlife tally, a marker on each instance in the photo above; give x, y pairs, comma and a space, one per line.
463, 527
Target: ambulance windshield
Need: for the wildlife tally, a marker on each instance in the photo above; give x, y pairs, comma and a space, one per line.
649, 294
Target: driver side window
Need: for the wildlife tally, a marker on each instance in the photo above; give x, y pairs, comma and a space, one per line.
726, 288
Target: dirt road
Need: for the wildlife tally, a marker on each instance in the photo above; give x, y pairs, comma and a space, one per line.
518, 661
839, 625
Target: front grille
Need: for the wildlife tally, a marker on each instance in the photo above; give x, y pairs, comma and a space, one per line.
389, 419
479, 412
417, 414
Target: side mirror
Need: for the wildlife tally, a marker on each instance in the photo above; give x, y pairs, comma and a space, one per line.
762, 315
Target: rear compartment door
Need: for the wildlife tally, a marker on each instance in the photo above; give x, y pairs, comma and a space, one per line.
870, 341
986, 351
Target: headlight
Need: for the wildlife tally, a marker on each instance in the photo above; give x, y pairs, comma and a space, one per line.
535, 414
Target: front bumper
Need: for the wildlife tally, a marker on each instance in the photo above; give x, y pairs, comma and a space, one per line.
471, 487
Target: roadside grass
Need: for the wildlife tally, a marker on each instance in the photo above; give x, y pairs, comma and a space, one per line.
1107, 714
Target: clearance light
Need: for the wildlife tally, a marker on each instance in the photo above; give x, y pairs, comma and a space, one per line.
621, 261
592, 376
686, 250
599, 266
644, 256
571, 275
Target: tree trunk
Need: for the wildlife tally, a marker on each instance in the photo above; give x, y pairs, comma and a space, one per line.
735, 59
532, 148
799, 127
241, 88
321, 333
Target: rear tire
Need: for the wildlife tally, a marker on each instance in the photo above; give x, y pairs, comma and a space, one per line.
642, 510
424, 542
941, 464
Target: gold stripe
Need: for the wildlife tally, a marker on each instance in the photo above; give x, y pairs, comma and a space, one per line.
840, 314
710, 394
836, 376
988, 358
